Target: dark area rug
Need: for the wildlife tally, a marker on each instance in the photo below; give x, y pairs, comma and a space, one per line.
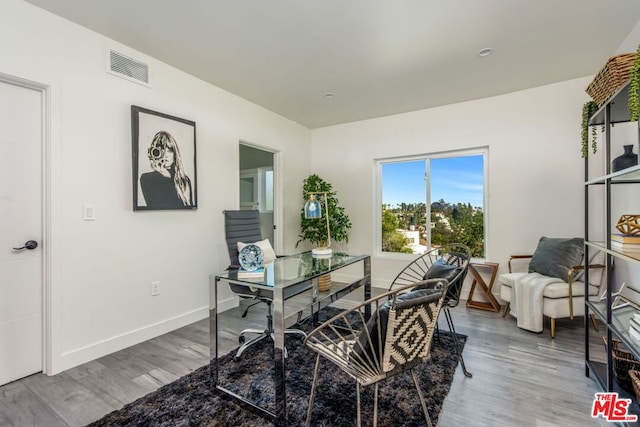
188, 401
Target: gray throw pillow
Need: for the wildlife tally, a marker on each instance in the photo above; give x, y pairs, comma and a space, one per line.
554, 257
441, 270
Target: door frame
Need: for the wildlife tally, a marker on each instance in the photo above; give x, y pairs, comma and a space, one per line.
45, 214
277, 189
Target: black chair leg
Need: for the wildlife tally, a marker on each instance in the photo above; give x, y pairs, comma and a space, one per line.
447, 314
246, 310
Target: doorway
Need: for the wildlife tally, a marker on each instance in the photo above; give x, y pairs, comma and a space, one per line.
22, 255
257, 179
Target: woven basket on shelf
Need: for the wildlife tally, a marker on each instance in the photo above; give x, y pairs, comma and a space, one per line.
635, 380
611, 77
623, 362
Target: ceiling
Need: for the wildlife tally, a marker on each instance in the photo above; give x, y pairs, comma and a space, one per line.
376, 57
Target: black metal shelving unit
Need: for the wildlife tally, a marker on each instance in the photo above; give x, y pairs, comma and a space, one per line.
615, 110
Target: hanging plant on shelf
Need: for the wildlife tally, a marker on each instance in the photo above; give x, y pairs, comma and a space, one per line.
588, 110
634, 85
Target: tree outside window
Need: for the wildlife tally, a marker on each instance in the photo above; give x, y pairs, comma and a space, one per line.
446, 189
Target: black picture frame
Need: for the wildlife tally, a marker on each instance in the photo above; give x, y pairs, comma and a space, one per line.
164, 161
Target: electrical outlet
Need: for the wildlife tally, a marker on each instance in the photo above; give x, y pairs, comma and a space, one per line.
155, 288
89, 212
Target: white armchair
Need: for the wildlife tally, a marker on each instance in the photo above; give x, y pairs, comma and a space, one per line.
563, 297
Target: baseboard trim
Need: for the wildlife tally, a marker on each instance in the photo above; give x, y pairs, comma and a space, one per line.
101, 348
229, 303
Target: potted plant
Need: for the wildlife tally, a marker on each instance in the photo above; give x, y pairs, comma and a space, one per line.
634, 86
315, 230
588, 110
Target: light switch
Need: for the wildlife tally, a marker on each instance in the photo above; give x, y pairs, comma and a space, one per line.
89, 212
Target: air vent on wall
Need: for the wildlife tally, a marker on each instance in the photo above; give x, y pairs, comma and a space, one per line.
128, 68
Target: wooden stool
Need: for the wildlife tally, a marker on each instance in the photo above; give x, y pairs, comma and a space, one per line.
492, 304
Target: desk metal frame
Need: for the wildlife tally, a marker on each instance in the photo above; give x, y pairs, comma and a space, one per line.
319, 301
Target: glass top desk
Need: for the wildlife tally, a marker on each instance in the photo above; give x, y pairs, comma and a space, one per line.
283, 273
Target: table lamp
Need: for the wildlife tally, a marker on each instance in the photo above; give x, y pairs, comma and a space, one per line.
313, 210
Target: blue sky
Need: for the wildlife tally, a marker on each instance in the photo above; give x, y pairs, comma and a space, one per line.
454, 179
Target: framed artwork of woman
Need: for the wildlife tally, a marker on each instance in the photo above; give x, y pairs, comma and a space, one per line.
164, 161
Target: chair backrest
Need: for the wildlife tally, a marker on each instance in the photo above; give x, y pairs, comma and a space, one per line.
395, 338
240, 226
410, 328
450, 262
458, 256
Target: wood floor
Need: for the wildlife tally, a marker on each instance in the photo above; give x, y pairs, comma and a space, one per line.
519, 378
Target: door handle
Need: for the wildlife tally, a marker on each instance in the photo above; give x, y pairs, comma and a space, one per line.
29, 244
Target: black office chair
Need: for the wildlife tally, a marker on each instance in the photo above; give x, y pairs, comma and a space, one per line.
244, 226
450, 262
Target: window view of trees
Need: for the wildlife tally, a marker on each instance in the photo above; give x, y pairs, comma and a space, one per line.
393, 240
404, 225
459, 223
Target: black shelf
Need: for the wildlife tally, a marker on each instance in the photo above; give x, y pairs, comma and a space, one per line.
625, 176
620, 320
598, 372
617, 321
631, 257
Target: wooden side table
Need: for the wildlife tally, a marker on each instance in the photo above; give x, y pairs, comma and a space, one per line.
492, 304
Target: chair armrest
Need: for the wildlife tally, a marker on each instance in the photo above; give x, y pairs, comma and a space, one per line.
575, 268
590, 266
512, 257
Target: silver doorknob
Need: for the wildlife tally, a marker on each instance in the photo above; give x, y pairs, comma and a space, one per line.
29, 244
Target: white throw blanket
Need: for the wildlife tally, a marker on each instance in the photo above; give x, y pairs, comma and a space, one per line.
526, 300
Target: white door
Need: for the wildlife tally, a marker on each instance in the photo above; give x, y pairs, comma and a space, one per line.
21, 272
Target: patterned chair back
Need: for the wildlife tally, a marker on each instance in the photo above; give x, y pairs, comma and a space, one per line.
396, 338
410, 329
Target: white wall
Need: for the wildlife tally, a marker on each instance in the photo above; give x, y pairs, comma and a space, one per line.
535, 173
101, 271
630, 43
535, 170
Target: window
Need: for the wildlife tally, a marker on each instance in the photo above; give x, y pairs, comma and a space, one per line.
446, 188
